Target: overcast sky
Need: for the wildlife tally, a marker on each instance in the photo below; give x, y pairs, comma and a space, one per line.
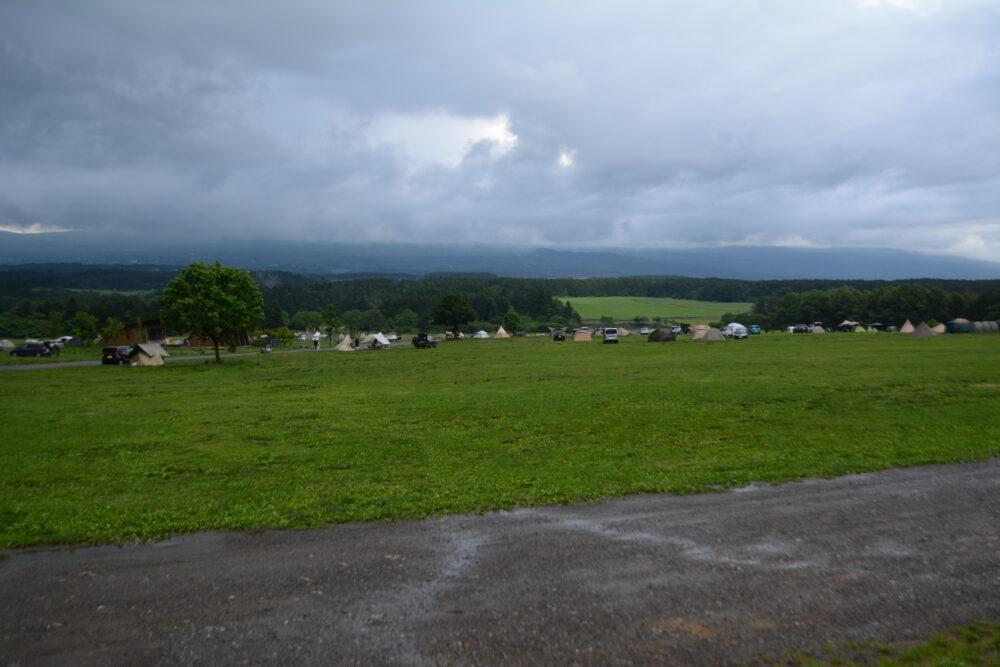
579, 124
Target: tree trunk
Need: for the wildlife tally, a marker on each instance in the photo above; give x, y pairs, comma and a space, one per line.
218, 357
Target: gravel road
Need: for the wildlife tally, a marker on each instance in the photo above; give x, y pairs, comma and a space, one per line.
708, 579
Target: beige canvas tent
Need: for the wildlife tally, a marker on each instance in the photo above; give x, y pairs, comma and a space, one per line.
818, 329
345, 345
376, 341
622, 331
699, 332
501, 333
922, 330
7, 344
907, 327
581, 336
148, 354
940, 328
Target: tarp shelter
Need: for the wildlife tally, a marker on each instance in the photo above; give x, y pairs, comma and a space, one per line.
345, 345
818, 329
148, 354
661, 335
959, 325
581, 336
940, 328
480, 334
907, 327
847, 325
922, 330
713, 334
699, 332
986, 327
501, 333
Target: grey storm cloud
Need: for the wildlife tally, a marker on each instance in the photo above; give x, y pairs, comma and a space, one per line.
634, 124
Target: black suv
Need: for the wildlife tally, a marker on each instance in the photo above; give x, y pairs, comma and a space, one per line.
424, 341
34, 349
115, 354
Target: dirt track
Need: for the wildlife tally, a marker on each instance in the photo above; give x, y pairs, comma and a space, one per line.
708, 579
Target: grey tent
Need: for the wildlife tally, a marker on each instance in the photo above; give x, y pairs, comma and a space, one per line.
923, 330
4, 344
662, 335
990, 326
712, 334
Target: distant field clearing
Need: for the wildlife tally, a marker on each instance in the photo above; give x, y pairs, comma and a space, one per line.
626, 308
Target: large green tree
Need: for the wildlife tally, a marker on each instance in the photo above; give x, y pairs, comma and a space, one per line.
85, 326
213, 301
330, 319
453, 311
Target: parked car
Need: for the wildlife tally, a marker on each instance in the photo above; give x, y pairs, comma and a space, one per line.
559, 335
753, 329
115, 354
677, 330
31, 349
424, 341
644, 331
611, 335
735, 330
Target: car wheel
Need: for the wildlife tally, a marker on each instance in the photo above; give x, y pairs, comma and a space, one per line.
38, 354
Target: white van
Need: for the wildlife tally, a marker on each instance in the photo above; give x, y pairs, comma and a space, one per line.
735, 330
611, 335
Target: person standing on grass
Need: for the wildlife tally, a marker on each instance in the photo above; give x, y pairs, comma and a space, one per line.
316, 341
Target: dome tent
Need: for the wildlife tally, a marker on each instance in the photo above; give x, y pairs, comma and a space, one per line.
712, 334
661, 335
959, 325
699, 332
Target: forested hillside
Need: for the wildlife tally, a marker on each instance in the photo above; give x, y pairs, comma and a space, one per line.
46, 300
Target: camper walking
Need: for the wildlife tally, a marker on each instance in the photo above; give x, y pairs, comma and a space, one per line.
316, 341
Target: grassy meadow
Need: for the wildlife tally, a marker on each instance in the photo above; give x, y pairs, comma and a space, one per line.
111, 454
625, 308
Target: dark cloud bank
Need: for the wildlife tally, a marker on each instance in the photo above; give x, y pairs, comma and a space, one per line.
561, 124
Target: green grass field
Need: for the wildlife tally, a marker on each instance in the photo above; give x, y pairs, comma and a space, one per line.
625, 308
110, 454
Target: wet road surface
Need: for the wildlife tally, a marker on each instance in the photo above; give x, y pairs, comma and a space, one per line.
707, 579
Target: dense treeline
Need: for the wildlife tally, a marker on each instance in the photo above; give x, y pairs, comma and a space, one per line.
888, 305
45, 300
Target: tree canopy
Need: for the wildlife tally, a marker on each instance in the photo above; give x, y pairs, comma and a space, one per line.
453, 311
213, 301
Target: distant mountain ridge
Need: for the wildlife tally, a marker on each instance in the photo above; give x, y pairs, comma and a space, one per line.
400, 260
